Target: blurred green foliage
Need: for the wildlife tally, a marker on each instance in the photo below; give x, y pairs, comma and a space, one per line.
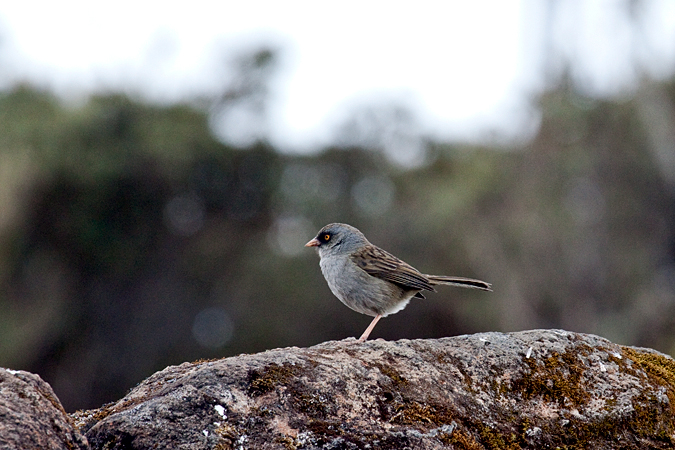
121, 222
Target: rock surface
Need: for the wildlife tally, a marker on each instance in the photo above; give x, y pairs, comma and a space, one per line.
31, 417
528, 390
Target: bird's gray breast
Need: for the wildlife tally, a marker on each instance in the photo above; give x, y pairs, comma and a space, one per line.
360, 291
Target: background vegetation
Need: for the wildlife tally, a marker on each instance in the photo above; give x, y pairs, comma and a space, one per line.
131, 238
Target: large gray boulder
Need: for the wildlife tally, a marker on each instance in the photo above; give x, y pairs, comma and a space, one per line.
31, 417
528, 390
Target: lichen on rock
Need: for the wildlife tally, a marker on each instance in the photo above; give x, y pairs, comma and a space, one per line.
533, 389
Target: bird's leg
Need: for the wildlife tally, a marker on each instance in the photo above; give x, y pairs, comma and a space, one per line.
366, 333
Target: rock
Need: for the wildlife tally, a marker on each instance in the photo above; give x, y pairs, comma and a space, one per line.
527, 390
31, 417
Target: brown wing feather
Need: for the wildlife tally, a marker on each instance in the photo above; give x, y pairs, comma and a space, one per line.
382, 264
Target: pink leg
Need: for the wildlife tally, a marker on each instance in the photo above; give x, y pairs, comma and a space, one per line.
366, 333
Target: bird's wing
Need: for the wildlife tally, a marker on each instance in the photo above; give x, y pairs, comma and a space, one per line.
382, 264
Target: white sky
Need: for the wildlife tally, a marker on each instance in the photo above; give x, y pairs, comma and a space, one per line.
464, 68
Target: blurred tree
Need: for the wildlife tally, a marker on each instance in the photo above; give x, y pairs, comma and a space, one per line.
240, 114
130, 238
99, 292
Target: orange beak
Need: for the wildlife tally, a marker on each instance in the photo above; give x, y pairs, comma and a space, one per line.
313, 243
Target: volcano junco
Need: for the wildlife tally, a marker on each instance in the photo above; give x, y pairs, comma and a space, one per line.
370, 280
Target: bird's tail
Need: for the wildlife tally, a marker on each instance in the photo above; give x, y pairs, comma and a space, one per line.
459, 281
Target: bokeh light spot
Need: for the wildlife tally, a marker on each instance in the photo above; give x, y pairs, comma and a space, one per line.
212, 327
288, 235
184, 214
373, 195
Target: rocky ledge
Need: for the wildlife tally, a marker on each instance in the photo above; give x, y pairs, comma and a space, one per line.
526, 390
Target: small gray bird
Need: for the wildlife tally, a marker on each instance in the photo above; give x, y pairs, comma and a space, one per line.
370, 280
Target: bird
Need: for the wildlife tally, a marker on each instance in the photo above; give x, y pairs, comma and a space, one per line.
370, 280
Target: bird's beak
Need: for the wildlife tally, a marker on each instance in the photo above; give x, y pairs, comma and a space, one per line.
313, 243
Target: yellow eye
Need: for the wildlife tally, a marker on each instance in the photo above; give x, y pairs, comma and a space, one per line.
326, 237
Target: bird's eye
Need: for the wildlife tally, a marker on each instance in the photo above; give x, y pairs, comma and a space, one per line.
326, 237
